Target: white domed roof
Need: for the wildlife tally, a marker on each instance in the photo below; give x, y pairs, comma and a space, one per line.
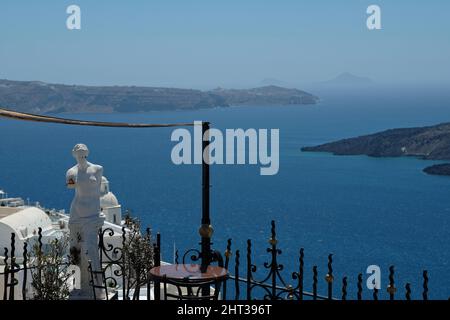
22, 221
108, 200
104, 187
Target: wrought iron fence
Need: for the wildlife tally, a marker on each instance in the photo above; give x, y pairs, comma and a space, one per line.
240, 285
12, 269
247, 286
14, 276
114, 266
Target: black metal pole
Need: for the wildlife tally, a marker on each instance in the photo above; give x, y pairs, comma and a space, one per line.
206, 229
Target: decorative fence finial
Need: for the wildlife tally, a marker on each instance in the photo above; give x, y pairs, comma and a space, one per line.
360, 279
273, 239
25, 270
227, 255
236, 275
250, 269
13, 249
329, 277
391, 288
228, 252
177, 257
425, 285
344, 288
40, 239
301, 271
408, 291
315, 283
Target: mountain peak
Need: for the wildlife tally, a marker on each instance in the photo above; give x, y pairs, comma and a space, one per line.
273, 82
347, 78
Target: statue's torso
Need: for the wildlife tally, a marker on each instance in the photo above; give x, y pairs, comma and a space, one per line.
86, 203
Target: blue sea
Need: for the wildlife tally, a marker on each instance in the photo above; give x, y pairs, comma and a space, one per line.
366, 211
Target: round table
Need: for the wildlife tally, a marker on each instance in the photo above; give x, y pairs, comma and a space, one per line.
188, 276
189, 273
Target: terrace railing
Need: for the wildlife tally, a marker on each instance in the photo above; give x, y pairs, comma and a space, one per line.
244, 282
245, 285
114, 266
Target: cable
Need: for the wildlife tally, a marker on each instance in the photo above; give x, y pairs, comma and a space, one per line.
39, 118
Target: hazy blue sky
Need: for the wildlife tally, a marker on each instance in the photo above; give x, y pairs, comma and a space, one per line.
206, 43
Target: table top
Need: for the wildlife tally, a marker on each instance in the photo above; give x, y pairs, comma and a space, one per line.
189, 272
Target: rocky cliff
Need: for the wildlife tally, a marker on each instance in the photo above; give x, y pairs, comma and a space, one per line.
40, 97
426, 142
432, 143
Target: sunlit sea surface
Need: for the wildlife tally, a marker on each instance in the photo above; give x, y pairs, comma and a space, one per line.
364, 210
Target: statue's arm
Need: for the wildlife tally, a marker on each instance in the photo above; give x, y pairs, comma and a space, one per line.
99, 173
70, 178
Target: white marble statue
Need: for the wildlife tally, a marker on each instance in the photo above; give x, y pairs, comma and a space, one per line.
85, 219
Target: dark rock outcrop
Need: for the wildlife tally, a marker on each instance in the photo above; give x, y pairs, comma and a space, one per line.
438, 169
431, 143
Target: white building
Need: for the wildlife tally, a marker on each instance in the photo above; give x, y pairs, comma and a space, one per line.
109, 204
24, 222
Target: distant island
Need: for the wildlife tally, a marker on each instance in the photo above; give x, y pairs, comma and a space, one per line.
431, 143
40, 97
268, 95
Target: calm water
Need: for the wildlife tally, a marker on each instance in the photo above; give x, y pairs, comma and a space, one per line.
364, 210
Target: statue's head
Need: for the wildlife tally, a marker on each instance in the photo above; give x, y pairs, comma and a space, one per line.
80, 151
